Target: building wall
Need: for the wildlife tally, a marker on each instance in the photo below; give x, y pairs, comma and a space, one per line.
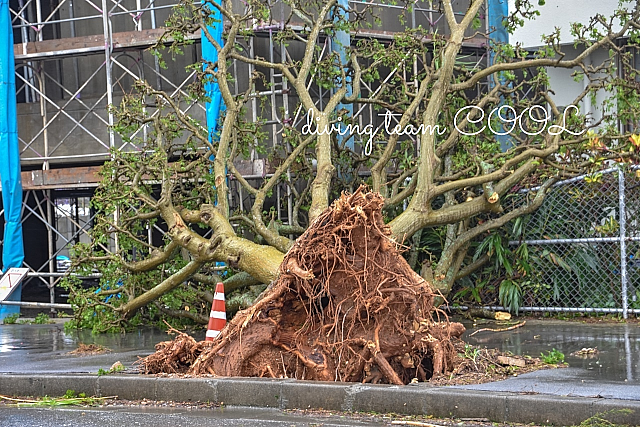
560, 13
566, 88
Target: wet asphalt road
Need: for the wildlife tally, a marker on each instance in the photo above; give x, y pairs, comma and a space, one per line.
614, 372
618, 346
157, 417
45, 348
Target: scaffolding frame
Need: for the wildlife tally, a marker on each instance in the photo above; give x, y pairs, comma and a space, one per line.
73, 58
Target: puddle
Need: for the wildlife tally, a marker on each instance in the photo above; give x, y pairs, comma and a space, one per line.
618, 345
45, 348
52, 338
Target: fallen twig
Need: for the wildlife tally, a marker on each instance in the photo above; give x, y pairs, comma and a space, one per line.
414, 423
488, 314
57, 401
498, 330
17, 400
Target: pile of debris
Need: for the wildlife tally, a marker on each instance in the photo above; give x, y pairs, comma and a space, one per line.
174, 356
345, 307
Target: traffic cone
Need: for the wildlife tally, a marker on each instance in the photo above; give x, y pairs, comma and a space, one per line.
218, 316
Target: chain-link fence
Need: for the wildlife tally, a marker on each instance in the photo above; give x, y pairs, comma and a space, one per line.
585, 255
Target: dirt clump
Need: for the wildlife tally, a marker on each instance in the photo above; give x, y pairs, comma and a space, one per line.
175, 356
345, 307
476, 365
89, 350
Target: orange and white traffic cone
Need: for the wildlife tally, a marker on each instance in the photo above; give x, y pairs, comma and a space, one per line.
218, 316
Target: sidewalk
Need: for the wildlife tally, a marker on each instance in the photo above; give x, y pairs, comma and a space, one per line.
452, 402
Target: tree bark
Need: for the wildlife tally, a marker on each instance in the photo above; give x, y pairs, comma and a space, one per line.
325, 170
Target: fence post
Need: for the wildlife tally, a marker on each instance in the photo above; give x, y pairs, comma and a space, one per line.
623, 241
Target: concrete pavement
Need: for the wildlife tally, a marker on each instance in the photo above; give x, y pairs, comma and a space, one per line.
562, 382
289, 394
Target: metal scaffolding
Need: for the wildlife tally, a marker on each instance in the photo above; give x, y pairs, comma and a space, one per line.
74, 58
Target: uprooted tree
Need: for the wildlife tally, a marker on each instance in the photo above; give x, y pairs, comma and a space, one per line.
346, 306
434, 157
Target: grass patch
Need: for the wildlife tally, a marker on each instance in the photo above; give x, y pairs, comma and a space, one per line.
11, 319
40, 319
116, 367
600, 420
553, 357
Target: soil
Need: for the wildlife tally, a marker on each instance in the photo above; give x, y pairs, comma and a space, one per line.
481, 365
346, 307
477, 366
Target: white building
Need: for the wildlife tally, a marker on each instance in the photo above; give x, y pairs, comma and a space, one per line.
561, 14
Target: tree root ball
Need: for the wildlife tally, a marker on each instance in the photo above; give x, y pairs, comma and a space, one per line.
345, 307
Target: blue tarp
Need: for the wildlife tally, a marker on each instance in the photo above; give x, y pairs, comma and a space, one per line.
497, 11
215, 106
13, 249
209, 53
341, 44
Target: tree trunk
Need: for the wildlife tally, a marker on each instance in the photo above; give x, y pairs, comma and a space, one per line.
259, 261
324, 173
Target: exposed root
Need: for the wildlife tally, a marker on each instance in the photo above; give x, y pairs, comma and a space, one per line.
174, 357
345, 307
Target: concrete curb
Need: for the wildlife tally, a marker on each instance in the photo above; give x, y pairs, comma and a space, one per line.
290, 394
